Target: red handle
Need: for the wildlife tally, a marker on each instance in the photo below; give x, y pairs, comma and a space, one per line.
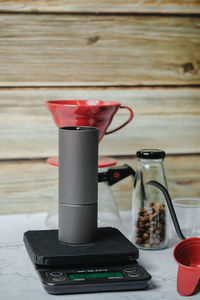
125, 123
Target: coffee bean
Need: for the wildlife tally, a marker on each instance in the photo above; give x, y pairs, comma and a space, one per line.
141, 219
140, 224
146, 218
145, 236
153, 216
153, 228
142, 211
138, 240
153, 223
147, 225
157, 206
158, 231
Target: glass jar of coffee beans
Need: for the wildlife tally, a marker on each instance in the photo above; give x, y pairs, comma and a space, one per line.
149, 212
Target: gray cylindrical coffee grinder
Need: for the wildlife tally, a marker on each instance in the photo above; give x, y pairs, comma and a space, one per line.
78, 181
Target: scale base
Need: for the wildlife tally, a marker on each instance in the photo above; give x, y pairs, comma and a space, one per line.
109, 264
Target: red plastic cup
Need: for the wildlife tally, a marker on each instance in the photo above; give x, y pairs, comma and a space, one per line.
95, 113
187, 255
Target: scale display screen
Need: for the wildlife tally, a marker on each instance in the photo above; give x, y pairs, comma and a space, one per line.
95, 275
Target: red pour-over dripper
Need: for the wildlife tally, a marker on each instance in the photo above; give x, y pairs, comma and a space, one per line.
186, 253
93, 113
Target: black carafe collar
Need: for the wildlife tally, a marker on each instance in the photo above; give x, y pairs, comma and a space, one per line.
115, 174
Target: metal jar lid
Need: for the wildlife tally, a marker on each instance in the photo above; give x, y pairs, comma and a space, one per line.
150, 154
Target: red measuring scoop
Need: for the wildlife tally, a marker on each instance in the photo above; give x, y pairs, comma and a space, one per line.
186, 253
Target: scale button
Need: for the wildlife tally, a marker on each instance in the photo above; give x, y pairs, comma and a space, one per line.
58, 278
133, 275
132, 270
56, 274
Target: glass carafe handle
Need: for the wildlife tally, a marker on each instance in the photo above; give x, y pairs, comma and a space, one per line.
116, 174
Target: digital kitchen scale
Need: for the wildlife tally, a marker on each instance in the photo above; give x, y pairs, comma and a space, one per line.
108, 264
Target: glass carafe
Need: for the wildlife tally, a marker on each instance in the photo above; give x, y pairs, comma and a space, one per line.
149, 212
108, 213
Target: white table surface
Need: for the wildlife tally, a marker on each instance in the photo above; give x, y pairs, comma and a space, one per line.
18, 279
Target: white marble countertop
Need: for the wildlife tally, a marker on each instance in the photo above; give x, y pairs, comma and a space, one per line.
18, 279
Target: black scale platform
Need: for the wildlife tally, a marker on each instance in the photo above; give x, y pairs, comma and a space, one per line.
108, 264
44, 248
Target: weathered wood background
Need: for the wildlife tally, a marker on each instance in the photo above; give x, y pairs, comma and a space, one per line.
145, 54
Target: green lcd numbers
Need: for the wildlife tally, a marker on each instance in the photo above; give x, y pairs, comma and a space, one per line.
95, 275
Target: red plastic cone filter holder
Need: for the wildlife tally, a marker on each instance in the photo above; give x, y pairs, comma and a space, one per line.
95, 113
187, 255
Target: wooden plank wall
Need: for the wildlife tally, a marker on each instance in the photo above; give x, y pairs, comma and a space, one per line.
144, 54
